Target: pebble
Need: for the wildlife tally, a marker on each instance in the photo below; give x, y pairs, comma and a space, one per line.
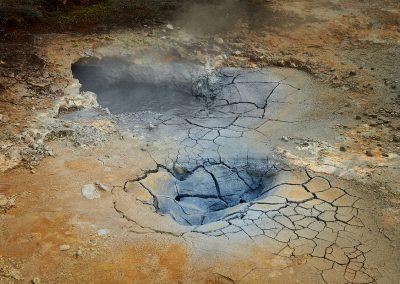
89, 191
180, 170
285, 138
342, 149
64, 247
305, 144
369, 153
237, 52
219, 40
79, 252
102, 186
352, 73
170, 27
36, 280
358, 117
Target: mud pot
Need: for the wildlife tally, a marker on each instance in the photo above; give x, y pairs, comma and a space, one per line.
235, 153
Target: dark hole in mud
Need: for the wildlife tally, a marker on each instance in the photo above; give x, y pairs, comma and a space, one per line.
124, 87
210, 191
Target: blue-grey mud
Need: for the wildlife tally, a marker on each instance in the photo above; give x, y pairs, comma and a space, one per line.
213, 162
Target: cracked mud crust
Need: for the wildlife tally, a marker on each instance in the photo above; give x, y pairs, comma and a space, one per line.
308, 226
302, 215
280, 165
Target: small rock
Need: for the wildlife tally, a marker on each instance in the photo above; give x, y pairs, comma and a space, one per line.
65, 247
342, 149
219, 40
103, 232
358, 117
237, 52
352, 73
369, 153
79, 252
305, 144
384, 154
170, 27
180, 170
102, 186
36, 280
285, 138
89, 191
396, 138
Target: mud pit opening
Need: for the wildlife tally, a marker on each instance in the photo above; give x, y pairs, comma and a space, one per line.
124, 87
208, 192
211, 156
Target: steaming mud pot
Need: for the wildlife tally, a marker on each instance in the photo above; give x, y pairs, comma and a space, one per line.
202, 175
207, 174
198, 190
214, 160
205, 106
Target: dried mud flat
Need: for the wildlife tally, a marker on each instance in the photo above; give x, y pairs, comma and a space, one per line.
284, 169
